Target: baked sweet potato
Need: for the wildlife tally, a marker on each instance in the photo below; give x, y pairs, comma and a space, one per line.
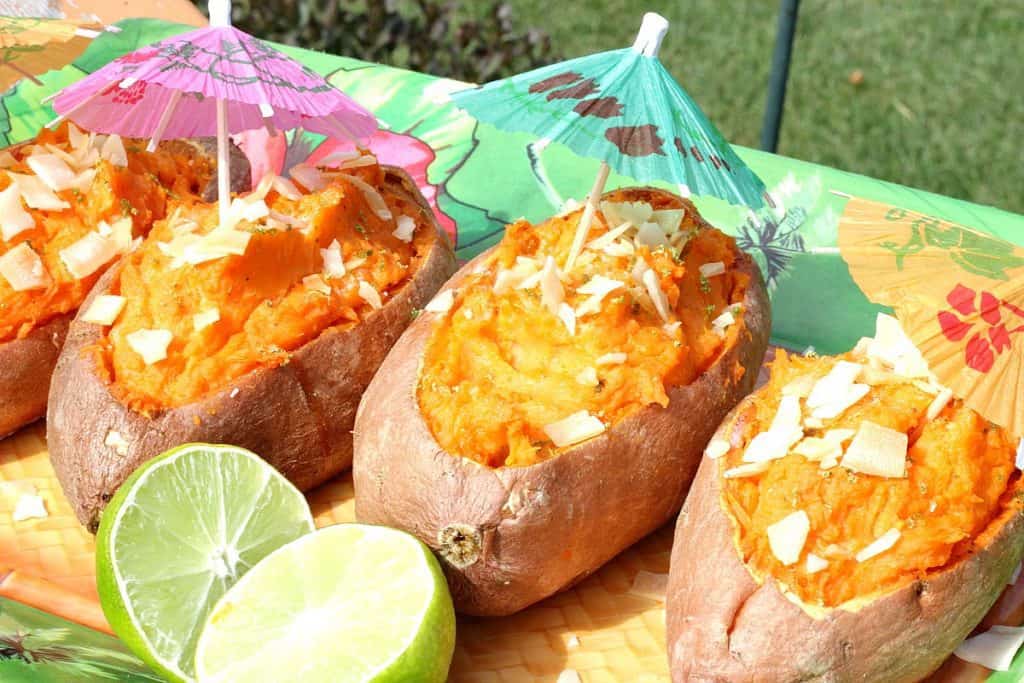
267, 346
454, 440
34, 319
863, 544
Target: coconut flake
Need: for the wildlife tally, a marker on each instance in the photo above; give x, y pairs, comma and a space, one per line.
150, 344
36, 194
892, 347
817, 449
716, 448
611, 359
104, 309
89, 254
23, 269
331, 256
568, 317
373, 197
52, 170
878, 451
650, 585
620, 248
113, 151
651, 236
650, 280
994, 649
405, 228
587, 377
598, 287
938, 404
572, 641
712, 269
784, 431
551, 292
29, 506
441, 303
815, 564
801, 386
668, 219
370, 295
749, 469
14, 219
574, 429
569, 676
879, 545
203, 319
601, 242
308, 176
636, 213
120, 233
216, 244
723, 322
788, 536
315, 283
837, 381
841, 402
117, 442
285, 188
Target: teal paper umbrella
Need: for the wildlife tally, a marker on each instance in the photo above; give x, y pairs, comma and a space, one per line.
624, 108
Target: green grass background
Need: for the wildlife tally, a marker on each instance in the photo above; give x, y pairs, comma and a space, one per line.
941, 105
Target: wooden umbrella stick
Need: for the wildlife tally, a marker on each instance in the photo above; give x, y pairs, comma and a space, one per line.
223, 163
583, 227
165, 118
24, 74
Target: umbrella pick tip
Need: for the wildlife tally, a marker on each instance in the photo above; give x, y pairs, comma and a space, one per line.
220, 12
652, 31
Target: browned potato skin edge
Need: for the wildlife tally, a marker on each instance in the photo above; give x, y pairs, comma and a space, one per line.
297, 416
544, 527
26, 364
723, 626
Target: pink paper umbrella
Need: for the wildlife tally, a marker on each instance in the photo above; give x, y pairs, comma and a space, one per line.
211, 81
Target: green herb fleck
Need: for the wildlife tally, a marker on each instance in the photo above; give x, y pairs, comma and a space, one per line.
705, 286
126, 207
367, 254
709, 311
360, 228
77, 194
415, 313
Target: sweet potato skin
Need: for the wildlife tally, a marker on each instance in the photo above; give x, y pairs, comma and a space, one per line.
297, 416
27, 364
509, 537
724, 626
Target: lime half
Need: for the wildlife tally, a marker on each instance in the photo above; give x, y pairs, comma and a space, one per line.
347, 603
181, 531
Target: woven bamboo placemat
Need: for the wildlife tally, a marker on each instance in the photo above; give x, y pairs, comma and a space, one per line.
604, 628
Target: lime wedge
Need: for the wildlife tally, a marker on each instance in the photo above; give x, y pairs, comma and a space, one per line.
347, 603
181, 531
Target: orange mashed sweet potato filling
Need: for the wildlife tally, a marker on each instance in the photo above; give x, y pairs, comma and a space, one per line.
499, 367
264, 309
140, 190
960, 484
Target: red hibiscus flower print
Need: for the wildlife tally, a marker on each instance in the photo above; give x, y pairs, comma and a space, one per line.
130, 95
999, 319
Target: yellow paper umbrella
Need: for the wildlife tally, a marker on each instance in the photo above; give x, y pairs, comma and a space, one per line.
958, 293
30, 46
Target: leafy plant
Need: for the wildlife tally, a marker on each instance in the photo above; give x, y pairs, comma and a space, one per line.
425, 35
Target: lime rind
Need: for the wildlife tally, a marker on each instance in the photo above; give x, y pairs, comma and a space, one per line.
208, 513
346, 603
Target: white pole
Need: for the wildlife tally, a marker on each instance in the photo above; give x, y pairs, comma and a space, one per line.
220, 16
583, 227
648, 41
223, 162
652, 31
165, 118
